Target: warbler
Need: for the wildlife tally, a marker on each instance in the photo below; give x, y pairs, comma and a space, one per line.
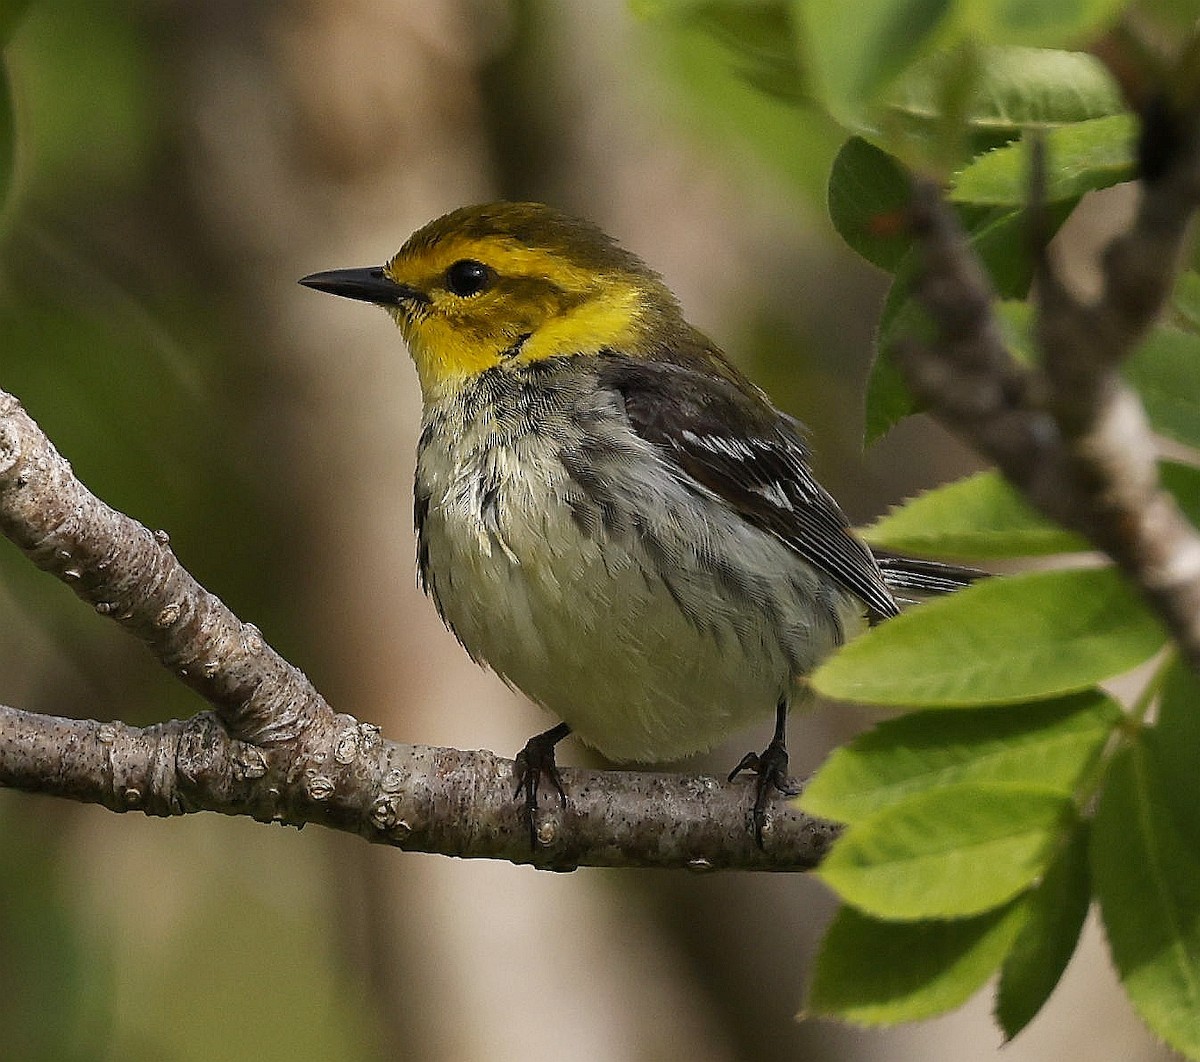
609, 514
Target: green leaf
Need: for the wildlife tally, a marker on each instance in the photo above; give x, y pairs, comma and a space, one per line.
1175, 744
984, 516
1055, 911
1080, 158
856, 50
868, 197
1183, 483
881, 973
888, 400
1017, 89
980, 516
1051, 744
947, 853
1036, 22
1166, 372
1186, 298
1006, 639
1148, 882
999, 237
758, 36
1015, 317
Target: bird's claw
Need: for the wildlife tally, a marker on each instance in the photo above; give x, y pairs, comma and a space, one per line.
771, 767
534, 762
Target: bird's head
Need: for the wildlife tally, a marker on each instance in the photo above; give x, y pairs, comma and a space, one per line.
510, 283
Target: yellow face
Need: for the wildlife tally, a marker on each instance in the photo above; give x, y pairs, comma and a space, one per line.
512, 283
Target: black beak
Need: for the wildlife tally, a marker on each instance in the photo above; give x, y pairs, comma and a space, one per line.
366, 285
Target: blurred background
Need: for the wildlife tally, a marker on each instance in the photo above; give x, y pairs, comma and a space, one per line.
180, 163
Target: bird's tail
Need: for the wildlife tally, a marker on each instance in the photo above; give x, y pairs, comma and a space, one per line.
924, 577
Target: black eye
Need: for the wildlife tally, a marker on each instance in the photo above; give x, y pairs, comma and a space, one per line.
468, 277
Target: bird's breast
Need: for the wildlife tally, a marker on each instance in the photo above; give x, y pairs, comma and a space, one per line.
565, 554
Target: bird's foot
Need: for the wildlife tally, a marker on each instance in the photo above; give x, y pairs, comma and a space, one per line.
771, 768
534, 762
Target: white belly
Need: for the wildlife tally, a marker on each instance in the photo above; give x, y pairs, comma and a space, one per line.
647, 653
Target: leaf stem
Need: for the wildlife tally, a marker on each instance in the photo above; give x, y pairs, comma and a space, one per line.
1126, 730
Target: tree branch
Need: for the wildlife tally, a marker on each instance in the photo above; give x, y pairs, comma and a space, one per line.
274, 749
1071, 434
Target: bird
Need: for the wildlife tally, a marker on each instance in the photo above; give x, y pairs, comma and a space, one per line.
609, 514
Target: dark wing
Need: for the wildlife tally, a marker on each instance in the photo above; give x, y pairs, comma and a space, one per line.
733, 442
